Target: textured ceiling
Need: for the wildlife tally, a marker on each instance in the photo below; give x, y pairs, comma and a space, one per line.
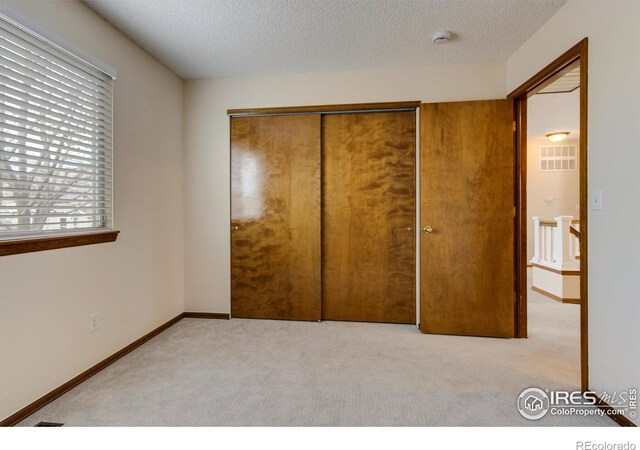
218, 38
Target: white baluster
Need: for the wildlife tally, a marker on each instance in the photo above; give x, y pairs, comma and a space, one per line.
561, 244
544, 243
572, 246
537, 241
548, 245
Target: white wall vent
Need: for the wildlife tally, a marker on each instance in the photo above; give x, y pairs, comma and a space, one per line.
558, 158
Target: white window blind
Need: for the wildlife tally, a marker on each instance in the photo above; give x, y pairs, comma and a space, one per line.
55, 138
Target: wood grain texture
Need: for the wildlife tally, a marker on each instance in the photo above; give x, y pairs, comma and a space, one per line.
39, 244
467, 196
275, 236
325, 108
369, 217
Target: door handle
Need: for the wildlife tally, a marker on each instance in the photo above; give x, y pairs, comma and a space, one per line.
427, 229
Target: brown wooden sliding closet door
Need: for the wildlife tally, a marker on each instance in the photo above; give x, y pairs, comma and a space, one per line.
369, 217
467, 262
275, 217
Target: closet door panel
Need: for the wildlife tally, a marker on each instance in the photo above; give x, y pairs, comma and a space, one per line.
369, 217
467, 199
275, 217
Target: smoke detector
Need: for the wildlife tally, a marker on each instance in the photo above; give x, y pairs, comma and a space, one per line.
441, 37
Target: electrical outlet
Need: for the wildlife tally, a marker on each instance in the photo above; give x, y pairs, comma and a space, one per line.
94, 321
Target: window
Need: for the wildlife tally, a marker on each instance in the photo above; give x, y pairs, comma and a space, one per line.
55, 139
558, 158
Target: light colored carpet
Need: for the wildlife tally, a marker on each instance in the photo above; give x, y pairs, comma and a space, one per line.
259, 372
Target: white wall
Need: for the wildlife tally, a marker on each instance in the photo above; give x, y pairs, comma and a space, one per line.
613, 167
207, 144
136, 283
551, 194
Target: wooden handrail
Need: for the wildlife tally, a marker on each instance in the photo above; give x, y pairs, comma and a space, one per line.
548, 223
575, 232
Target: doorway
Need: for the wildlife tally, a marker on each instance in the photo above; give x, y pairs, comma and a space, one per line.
570, 247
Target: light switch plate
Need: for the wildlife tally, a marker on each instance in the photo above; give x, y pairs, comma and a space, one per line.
596, 200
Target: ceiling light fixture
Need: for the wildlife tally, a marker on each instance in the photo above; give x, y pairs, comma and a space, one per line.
441, 37
557, 136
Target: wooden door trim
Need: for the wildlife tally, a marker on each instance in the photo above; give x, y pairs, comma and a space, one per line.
578, 54
326, 109
551, 72
520, 197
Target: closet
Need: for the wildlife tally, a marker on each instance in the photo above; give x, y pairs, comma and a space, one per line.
323, 213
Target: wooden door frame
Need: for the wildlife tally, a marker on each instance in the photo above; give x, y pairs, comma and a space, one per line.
576, 55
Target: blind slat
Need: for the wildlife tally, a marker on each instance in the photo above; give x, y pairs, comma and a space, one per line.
25, 56
66, 108
41, 47
32, 84
52, 118
77, 158
44, 170
35, 161
60, 129
9, 177
54, 203
51, 179
49, 230
47, 77
48, 223
25, 89
89, 211
95, 192
7, 142
60, 139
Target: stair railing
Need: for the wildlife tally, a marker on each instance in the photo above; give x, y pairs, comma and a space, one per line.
556, 242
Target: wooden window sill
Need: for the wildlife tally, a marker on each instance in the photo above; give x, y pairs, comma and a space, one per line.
28, 245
